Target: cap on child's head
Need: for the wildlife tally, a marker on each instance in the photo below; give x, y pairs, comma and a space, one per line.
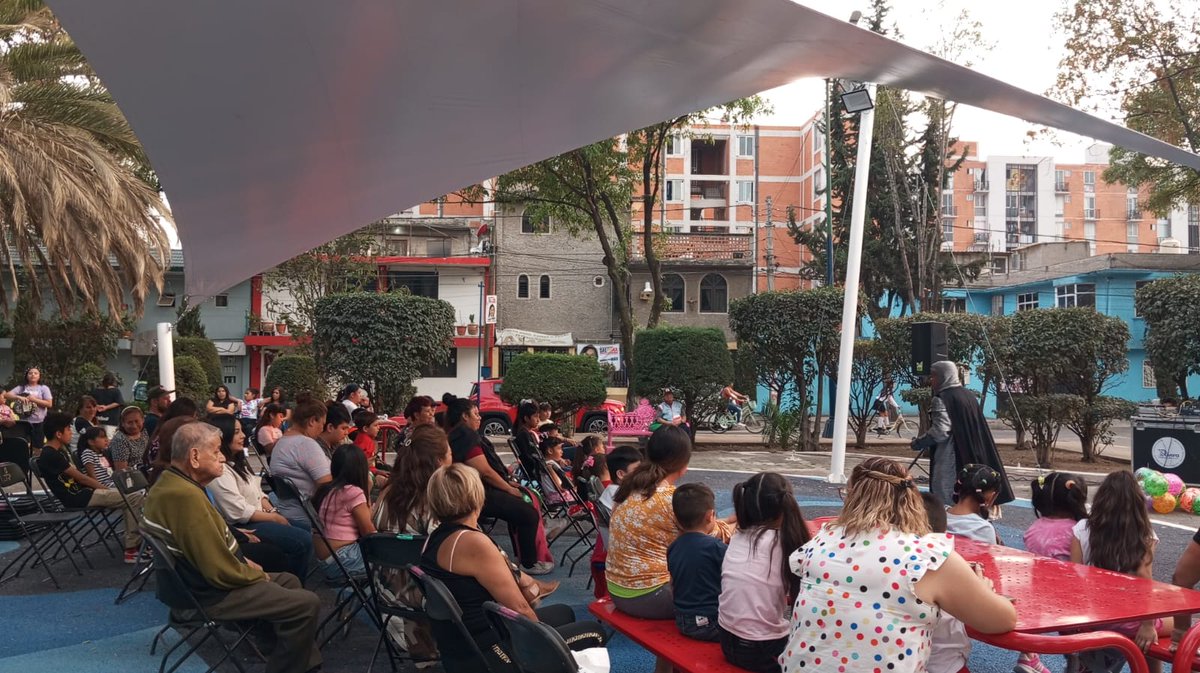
691, 504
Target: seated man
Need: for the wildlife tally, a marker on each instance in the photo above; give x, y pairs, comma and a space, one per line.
231, 588
670, 412
75, 488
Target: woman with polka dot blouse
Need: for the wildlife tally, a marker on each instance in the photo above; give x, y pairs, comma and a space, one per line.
873, 582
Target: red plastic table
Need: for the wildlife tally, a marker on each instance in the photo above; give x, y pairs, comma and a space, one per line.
1053, 595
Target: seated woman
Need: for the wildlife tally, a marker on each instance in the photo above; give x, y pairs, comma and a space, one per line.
643, 526
129, 443
884, 515
504, 498
237, 495
345, 513
366, 432
474, 570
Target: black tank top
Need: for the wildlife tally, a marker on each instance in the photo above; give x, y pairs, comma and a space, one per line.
469, 593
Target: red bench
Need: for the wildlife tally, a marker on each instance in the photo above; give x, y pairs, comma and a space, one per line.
635, 423
1162, 650
662, 639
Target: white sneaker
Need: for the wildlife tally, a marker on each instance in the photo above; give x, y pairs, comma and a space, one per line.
539, 568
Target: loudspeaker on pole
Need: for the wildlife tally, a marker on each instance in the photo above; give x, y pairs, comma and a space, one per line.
929, 345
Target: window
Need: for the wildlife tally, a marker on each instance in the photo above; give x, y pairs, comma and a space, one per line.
1089, 206
818, 131
745, 191
954, 305
1060, 205
437, 247
221, 300
1131, 231
531, 225
1060, 181
1027, 301
544, 287
1131, 207
819, 180
522, 287
442, 370
674, 145
948, 181
673, 190
1193, 229
1137, 286
673, 289
746, 146
714, 294
419, 283
998, 304
948, 204
1148, 380
1079, 294
981, 206
948, 229
1089, 181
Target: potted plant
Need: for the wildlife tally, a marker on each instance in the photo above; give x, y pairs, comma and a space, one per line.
281, 324
460, 330
472, 328
266, 326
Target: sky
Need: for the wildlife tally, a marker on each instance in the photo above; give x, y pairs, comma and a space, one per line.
1020, 46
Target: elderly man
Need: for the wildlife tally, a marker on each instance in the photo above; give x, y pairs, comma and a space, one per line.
958, 434
230, 587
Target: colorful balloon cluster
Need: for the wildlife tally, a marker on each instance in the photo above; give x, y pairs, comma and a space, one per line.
1165, 492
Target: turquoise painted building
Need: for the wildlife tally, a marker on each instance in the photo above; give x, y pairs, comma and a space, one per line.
1105, 282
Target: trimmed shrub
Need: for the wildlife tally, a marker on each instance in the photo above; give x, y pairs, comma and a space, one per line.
694, 362
294, 374
565, 382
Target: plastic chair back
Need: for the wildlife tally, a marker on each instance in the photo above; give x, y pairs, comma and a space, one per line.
536, 648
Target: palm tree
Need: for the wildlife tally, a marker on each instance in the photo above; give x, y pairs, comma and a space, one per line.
80, 211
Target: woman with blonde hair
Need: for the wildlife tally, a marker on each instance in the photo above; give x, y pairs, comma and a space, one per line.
474, 570
882, 535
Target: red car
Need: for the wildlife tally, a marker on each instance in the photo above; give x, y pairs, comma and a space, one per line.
499, 416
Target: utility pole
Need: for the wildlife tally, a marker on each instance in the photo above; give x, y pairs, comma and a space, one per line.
828, 184
770, 246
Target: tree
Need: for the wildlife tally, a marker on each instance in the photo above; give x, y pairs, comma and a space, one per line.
344, 264
72, 352
590, 192
1171, 309
190, 380
203, 351
294, 375
565, 382
1095, 419
694, 362
188, 322
1043, 417
78, 190
1074, 351
793, 338
381, 340
867, 374
1146, 55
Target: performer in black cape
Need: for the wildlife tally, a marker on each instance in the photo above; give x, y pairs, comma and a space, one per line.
958, 434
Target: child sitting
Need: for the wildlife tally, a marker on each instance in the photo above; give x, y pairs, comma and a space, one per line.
621, 462
1059, 501
345, 513
581, 466
951, 647
555, 483
757, 585
93, 446
1117, 536
974, 493
694, 560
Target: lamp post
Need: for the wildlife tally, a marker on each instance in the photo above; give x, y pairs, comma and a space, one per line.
856, 100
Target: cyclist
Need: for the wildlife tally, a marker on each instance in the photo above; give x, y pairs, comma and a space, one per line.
886, 408
733, 403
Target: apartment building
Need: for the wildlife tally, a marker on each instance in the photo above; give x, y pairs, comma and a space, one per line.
999, 203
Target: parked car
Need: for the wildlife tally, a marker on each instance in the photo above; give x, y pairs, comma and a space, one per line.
499, 416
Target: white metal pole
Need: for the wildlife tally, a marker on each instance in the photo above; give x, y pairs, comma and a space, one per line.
858, 216
166, 357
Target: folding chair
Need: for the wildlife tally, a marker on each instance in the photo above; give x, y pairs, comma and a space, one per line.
558, 502
440, 606
15, 450
38, 527
286, 489
128, 482
535, 647
384, 554
94, 520
172, 591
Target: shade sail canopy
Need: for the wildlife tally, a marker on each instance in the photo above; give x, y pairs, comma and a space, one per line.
278, 125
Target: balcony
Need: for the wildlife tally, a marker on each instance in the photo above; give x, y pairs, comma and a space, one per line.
1133, 215
700, 247
1060, 186
1091, 213
981, 184
982, 237
949, 211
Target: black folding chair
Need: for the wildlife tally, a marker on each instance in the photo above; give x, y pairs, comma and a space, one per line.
94, 520
127, 483
557, 502
535, 647
440, 606
356, 598
44, 530
386, 554
172, 591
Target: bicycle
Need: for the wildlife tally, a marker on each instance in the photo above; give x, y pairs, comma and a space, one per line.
903, 427
725, 420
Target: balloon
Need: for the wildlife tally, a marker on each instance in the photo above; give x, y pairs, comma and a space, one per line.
1196, 505
1149, 502
1142, 472
1155, 485
1187, 499
1174, 484
1164, 504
